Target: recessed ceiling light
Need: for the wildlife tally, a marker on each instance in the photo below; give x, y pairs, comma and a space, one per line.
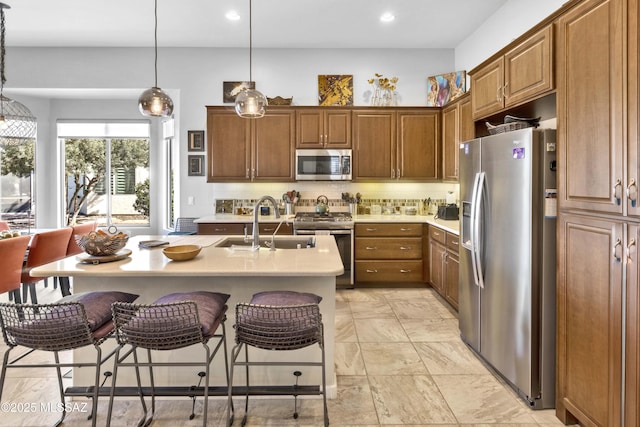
232, 15
387, 17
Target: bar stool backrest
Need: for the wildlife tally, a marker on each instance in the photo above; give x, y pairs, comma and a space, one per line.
79, 230
12, 252
287, 327
46, 247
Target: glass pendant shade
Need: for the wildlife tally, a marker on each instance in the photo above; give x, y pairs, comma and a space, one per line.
251, 104
17, 123
155, 102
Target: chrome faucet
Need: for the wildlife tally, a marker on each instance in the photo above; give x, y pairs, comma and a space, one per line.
256, 233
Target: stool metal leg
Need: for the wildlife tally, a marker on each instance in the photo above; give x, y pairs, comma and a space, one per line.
60, 389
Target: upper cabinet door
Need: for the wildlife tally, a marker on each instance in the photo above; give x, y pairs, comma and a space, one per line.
273, 146
486, 89
450, 140
418, 150
528, 68
590, 102
633, 116
323, 128
374, 144
228, 146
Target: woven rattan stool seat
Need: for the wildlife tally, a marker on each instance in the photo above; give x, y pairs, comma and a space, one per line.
280, 321
173, 321
75, 321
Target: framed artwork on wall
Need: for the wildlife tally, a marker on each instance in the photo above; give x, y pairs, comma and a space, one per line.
444, 88
335, 89
230, 90
196, 140
195, 164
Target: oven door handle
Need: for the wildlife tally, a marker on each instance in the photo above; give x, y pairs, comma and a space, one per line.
331, 232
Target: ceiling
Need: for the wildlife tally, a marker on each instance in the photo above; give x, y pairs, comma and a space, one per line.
276, 23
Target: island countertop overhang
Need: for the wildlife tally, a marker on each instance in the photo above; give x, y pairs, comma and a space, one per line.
322, 260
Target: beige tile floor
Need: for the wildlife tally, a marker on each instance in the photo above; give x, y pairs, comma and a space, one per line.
399, 362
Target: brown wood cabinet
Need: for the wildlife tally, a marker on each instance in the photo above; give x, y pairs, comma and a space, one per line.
401, 144
419, 145
590, 43
250, 150
457, 127
387, 252
589, 322
323, 128
240, 228
444, 264
222, 228
597, 223
521, 74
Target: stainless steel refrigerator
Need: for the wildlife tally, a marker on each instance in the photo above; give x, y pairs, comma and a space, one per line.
507, 258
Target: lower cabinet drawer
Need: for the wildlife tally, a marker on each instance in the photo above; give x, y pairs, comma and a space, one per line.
386, 271
388, 248
221, 228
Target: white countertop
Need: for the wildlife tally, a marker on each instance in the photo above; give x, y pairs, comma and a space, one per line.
452, 226
323, 260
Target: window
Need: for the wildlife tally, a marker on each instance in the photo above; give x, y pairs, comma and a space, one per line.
95, 151
16, 191
173, 161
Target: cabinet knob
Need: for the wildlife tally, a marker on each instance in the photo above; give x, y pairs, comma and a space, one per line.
406, 229
454, 242
247, 175
405, 248
372, 229
405, 271
371, 248
372, 270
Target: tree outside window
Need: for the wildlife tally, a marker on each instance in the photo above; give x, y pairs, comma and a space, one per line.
17, 167
124, 198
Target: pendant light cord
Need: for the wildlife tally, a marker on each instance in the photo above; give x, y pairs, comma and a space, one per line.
3, 79
250, 45
155, 43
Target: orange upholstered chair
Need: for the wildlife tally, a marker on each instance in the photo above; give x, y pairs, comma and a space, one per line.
45, 247
79, 230
12, 253
74, 249
4, 226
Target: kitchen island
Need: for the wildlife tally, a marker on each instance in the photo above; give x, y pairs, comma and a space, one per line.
239, 273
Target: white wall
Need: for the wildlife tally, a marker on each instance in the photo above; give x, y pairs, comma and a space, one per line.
194, 79
194, 76
509, 22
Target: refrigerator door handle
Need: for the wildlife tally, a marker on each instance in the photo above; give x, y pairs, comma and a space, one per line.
476, 230
472, 231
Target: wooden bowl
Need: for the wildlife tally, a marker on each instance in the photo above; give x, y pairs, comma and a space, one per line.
182, 252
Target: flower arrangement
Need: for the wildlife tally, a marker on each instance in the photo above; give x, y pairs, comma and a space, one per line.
384, 90
384, 82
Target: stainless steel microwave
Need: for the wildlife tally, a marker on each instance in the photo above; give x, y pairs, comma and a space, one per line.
323, 165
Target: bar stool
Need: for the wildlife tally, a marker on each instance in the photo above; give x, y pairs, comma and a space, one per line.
72, 322
277, 320
45, 247
74, 249
172, 322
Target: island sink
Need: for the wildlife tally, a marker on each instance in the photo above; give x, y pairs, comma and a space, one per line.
266, 242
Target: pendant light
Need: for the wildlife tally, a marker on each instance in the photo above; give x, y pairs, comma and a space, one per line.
154, 101
17, 124
251, 103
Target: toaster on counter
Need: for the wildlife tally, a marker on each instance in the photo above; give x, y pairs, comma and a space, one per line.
449, 212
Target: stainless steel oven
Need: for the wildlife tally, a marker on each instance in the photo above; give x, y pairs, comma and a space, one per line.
340, 226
